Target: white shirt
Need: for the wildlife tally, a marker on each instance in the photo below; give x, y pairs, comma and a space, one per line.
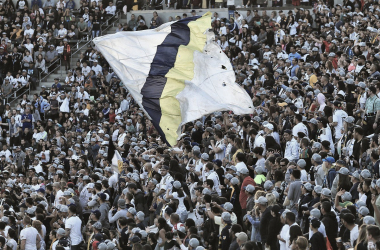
57, 196
284, 234
214, 176
124, 105
327, 136
86, 70
259, 142
120, 140
74, 224
7, 153
292, 150
239, 166
300, 127
62, 32
29, 46
220, 144
303, 175
338, 117
30, 235
97, 69
354, 234
165, 181
110, 10
321, 229
112, 181
29, 32
14, 244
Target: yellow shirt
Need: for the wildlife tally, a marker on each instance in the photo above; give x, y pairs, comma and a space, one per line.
313, 79
234, 156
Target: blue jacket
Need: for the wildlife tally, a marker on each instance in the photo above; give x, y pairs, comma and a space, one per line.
330, 177
43, 104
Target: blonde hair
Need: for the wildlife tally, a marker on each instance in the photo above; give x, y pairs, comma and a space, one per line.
271, 199
302, 243
258, 194
38, 225
362, 235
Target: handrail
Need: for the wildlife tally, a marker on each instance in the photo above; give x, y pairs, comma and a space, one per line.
51, 71
118, 17
78, 50
89, 41
16, 97
106, 23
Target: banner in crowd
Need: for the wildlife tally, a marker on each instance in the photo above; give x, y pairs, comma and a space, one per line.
176, 73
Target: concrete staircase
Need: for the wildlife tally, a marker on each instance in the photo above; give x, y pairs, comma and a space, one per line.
60, 72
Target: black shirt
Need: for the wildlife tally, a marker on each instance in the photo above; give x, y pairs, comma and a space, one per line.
317, 242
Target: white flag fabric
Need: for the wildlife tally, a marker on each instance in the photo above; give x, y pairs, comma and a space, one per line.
117, 162
65, 106
176, 73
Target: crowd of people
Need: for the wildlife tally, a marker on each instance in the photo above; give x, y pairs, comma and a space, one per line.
301, 172
36, 34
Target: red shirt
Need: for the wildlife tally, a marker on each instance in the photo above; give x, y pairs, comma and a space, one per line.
112, 117
327, 46
243, 196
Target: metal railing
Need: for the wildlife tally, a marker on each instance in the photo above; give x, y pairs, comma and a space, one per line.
13, 97
51, 71
117, 18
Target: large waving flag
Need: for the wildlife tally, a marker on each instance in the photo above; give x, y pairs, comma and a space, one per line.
176, 73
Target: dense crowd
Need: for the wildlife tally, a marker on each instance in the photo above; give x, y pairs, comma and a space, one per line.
301, 172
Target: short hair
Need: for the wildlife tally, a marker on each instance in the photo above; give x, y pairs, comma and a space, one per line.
258, 150
210, 183
326, 205
210, 166
349, 218
123, 221
219, 133
190, 223
298, 117
240, 156
174, 217
285, 160
375, 155
73, 209
359, 130
296, 173
252, 132
290, 216
374, 231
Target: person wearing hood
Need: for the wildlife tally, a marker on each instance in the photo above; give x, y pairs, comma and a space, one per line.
321, 101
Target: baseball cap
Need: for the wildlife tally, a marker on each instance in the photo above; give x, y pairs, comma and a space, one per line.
269, 126
261, 200
226, 216
250, 188
242, 237
326, 192
329, 159
365, 174
268, 185
344, 171
346, 196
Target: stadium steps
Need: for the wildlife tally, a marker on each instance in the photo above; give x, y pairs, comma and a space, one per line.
61, 72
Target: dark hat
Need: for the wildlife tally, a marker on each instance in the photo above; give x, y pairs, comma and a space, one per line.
96, 213
326, 144
288, 131
102, 196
